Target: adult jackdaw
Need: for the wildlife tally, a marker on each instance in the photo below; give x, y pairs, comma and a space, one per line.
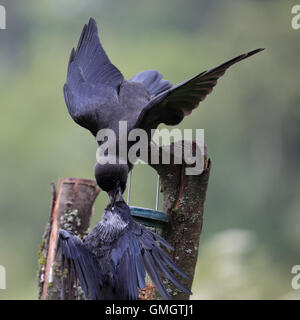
98, 97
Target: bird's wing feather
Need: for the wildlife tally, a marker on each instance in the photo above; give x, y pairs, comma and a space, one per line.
80, 263
171, 106
153, 81
91, 77
138, 251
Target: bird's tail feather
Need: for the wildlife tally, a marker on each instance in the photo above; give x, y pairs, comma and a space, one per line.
153, 81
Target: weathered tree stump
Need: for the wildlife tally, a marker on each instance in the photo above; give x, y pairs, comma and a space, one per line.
183, 201
71, 209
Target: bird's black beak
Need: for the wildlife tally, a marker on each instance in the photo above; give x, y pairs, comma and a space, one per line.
115, 195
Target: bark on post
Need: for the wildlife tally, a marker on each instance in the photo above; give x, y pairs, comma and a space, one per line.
71, 209
183, 200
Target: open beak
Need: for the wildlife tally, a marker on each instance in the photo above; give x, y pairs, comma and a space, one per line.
115, 196
112, 197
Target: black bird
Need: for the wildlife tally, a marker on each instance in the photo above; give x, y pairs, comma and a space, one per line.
98, 97
112, 261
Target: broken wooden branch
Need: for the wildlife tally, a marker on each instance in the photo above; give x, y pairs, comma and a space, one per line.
71, 209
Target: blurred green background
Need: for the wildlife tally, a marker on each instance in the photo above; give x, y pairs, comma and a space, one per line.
250, 238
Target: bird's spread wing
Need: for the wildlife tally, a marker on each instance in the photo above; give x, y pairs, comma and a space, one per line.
138, 252
80, 263
92, 79
153, 81
171, 106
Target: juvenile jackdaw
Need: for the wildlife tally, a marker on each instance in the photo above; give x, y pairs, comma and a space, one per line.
112, 261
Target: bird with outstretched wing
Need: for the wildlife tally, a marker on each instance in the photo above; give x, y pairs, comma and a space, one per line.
98, 97
112, 261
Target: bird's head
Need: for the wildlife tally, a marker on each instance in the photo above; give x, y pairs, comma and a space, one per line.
112, 178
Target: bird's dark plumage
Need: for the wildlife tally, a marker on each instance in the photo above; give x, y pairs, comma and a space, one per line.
153, 81
98, 96
172, 105
112, 261
96, 92
81, 263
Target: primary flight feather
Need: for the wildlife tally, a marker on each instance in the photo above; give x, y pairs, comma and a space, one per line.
98, 97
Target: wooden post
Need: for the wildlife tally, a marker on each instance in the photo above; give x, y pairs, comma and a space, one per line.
71, 209
183, 200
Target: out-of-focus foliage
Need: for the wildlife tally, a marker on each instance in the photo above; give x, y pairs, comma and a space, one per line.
250, 238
